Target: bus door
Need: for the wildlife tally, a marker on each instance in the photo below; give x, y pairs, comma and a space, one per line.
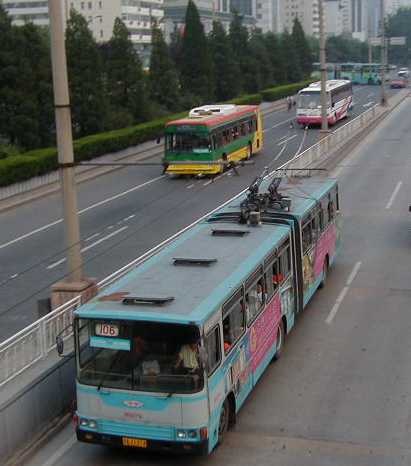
236, 364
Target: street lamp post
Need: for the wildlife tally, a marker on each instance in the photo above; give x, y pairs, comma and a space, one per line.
383, 98
323, 66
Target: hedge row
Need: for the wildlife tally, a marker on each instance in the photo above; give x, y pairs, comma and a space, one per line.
279, 92
40, 161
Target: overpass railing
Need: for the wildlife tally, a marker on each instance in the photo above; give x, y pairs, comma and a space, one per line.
37, 341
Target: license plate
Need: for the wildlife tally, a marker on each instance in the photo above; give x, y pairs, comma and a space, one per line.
134, 442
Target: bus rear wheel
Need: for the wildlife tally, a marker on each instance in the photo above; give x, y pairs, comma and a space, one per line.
280, 341
325, 272
224, 421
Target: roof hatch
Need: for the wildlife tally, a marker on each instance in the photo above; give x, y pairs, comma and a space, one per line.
193, 261
144, 300
230, 232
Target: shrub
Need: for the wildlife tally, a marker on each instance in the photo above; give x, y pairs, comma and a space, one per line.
279, 92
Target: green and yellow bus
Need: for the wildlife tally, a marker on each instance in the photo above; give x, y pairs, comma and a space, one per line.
210, 137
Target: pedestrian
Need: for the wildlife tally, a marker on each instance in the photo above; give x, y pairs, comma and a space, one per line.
289, 103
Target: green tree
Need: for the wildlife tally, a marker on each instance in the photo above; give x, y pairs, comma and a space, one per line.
85, 77
26, 117
164, 81
259, 61
302, 48
196, 65
276, 54
238, 36
126, 86
345, 49
292, 65
399, 24
226, 70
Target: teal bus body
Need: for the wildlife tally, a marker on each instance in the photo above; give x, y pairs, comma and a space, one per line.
237, 306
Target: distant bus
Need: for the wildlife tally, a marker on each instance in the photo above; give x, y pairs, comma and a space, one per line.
361, 73
333, 71
212, 133
339, 102
167, 355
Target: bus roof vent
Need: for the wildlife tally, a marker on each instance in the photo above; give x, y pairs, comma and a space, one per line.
193, 261
144, 300
235, 233
204, 110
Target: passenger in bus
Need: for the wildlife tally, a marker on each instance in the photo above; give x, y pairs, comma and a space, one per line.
188, 357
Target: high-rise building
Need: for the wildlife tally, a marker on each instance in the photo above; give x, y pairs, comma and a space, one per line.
359, 19
333, 17
137, 15
305, 10
266, 14
209, 11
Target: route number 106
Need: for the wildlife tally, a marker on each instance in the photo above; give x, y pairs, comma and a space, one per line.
107, 330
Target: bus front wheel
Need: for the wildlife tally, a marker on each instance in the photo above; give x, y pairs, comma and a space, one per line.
279, 341
249, 152
224, 421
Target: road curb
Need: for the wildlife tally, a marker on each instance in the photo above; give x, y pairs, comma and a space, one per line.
52, 429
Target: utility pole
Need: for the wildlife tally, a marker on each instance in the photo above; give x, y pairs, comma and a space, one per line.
383, 98
75, 284
65, 140
323, 67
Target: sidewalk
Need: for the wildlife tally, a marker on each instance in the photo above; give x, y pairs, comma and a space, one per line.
37, 187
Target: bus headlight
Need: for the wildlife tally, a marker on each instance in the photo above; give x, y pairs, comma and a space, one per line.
90, 423
181, 434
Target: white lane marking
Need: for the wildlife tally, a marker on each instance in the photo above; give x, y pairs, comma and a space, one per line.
129, 217
93, 206
279, 124
284, 137
61, 451
370, 95
190, 186
92, 245
287, 140
92, 236
343, 293
368, 104
393, 195
14, 276
110, 227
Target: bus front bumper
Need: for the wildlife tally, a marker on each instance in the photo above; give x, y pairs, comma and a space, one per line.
193, 168
198, 448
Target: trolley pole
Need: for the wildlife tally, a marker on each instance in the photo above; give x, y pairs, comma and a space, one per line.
383, 98
323, 66
65, 140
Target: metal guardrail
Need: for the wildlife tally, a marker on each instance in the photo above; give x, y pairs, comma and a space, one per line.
35, 342
333, 141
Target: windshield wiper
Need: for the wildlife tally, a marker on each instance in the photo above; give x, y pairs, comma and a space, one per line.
108, 372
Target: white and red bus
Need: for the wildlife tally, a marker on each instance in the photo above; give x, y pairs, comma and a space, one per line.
339, 102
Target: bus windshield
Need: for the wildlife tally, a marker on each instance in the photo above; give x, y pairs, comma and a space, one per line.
143, 356
188, 142
309, 100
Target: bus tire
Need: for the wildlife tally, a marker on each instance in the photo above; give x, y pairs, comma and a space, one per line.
279, 341
249, 151
224, 421
325, 273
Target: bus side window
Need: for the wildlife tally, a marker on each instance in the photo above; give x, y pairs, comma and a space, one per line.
285, 263
307, 237
331, 208
233, 325
255, 299
314, 229
213, 346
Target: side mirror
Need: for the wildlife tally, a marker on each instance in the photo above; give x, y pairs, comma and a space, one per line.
60, 345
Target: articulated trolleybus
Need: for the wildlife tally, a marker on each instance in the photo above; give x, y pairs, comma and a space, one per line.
212, 136
339, 102
168, 354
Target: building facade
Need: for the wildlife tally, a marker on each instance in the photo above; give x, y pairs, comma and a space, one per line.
305, 10
391, 6
333, 17
138, 16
